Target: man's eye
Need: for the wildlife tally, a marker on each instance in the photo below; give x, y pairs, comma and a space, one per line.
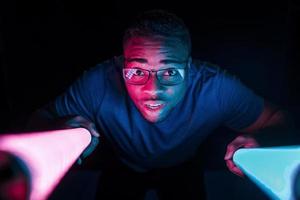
170, 72
139, 72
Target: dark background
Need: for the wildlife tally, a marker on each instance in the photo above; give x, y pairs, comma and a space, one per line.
46, 45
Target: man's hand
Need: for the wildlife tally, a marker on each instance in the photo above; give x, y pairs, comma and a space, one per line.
78, 121
239, 142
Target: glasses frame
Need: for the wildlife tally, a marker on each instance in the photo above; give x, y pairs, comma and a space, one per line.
155, 71
150, 72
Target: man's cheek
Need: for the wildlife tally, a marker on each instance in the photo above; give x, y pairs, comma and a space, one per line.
170, 92
133, 92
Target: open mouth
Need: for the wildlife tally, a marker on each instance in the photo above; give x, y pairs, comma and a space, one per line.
154, 106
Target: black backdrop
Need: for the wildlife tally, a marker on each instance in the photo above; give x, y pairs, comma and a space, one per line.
45, 45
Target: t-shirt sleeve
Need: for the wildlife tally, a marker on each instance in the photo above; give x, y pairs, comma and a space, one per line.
240, 105
84, 96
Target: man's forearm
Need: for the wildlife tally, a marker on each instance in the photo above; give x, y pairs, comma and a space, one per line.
278, 136
278, 130
45, 118
274, 127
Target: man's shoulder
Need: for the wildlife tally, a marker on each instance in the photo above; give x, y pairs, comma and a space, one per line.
206, 69
204, 65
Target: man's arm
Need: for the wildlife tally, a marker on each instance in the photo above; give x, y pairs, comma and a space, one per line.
273, 127
47, 118
271, 117
76, 107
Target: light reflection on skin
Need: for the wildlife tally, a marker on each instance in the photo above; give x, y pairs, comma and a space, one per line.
154, 100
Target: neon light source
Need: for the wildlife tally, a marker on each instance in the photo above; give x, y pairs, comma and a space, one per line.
274, 169
47, 155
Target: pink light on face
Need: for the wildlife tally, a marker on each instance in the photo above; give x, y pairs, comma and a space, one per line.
47, 155
153, 99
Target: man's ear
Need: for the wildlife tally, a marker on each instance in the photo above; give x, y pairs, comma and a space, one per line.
189, 62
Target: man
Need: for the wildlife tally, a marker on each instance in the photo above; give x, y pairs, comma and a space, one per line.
153, 107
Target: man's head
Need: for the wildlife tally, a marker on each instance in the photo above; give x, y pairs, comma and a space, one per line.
156, 50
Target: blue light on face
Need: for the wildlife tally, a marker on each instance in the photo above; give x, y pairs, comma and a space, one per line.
273, 169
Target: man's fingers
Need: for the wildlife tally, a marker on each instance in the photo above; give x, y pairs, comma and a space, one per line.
92, 129
229, 152
237, 143
250, 145
79, 121
92, 146
233, 168
79, 161
237, 171
231, 148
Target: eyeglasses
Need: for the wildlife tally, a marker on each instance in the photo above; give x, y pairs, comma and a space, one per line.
169, 76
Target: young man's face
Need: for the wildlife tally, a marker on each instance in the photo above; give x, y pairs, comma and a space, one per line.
156, 97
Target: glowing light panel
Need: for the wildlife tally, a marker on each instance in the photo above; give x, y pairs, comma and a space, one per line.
47, 155
272, 169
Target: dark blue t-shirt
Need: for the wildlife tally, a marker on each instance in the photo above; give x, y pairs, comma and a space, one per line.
213, 98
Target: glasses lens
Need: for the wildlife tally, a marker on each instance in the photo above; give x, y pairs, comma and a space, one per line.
171, 76
135, 75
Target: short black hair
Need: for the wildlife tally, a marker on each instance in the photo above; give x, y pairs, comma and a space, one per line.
154, 23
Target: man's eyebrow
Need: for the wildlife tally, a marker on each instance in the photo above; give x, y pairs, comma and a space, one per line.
171, 61
140, 60
165, 61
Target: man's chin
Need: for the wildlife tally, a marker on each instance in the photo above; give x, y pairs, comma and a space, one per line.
154, 118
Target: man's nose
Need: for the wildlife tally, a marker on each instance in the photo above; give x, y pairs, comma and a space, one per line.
153, 88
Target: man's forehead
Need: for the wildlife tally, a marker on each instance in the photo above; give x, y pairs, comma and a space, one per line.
141, 49
163, 61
